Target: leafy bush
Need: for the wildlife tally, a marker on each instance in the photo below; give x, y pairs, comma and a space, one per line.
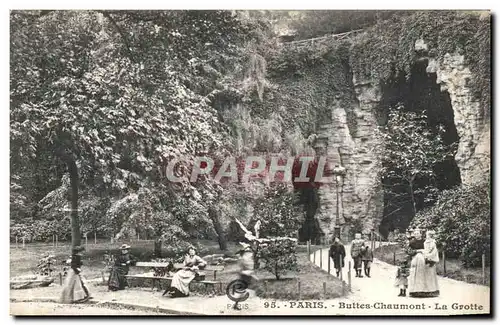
279, 256
108, 261
40, 230
278, 212
162, 271
46, 265
461, 218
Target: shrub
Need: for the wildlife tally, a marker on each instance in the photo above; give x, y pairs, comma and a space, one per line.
162, 271
461, 218
46, 265
279, 256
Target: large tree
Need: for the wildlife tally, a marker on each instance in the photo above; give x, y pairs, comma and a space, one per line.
115, 95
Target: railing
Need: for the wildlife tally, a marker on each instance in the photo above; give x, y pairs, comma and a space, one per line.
336, 37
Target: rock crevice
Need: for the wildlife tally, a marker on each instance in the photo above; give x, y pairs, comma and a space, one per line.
473, 153
359, 196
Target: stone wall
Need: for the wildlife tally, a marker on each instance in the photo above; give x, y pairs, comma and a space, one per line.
360, 196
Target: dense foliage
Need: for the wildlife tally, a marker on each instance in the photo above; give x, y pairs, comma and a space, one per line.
388, 48
461, 218
412, 151
279, 256
121, 93
277, 212
317, 23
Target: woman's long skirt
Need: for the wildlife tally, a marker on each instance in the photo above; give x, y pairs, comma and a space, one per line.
74, 289
422, 281
181, 281
117, 279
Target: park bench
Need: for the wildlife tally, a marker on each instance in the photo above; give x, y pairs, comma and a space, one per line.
177, 266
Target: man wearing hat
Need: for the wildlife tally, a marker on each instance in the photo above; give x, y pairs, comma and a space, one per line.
117, 279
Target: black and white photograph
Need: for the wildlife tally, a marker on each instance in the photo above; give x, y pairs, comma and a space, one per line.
250, 162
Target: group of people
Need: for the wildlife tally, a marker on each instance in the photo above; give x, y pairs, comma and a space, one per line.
416, 273
179, 287
361, 254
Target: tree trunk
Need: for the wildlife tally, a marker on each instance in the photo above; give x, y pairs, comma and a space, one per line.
157, 250
75, 222
413, 197
214, 216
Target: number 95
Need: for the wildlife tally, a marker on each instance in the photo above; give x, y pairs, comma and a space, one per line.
270, 305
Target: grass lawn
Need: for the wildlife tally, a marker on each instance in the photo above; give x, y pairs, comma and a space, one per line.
23, 261
311, 278
454, 268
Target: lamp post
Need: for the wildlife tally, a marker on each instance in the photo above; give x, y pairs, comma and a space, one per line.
339, 173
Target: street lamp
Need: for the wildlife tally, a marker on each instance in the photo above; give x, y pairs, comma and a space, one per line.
339, 173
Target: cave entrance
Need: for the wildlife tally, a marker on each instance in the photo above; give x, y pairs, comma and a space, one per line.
419, 92
310, 230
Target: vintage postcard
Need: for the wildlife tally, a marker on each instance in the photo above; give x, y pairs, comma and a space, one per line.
250, 162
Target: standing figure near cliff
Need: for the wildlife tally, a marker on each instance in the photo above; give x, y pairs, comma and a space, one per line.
367, 259
337, 254
356, 251
422, 281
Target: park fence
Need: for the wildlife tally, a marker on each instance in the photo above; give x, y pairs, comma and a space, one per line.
317, 254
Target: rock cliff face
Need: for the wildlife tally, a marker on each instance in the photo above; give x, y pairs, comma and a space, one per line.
473, 155
355, 146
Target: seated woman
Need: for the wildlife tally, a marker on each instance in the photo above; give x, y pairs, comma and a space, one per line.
117, 280
180, 282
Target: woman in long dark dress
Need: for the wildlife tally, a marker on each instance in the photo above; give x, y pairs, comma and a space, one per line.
180, 282
117, 279
337, 254
422, 281
74, 288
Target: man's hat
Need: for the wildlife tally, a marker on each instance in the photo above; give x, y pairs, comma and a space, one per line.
124, 246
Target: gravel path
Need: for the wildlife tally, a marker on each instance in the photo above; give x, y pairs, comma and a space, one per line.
380, 289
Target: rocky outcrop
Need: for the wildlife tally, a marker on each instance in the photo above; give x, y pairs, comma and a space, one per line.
473, 154
354, 146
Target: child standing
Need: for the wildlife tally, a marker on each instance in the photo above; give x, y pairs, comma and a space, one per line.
402, 278
367, 259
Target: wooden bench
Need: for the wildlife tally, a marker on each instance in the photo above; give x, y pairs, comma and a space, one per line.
177, 266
